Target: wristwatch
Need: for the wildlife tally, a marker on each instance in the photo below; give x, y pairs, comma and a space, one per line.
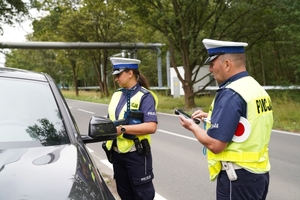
123, 129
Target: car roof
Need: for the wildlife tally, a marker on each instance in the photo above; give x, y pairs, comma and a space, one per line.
21, 74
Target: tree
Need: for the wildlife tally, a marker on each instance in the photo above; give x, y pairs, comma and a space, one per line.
12, 11
269, 27
186, 23
48, 29
84, 21
275, 60
36, 60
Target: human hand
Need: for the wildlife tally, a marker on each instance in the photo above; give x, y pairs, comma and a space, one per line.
119, 132
200, 115
181, 112
186, 122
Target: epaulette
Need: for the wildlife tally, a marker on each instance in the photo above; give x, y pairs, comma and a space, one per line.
144, 90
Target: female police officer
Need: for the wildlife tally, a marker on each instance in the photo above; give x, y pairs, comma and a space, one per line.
239, 124
131, 154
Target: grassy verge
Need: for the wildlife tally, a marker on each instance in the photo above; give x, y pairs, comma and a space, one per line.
285, 105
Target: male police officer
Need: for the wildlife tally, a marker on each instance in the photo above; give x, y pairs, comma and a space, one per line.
238, 125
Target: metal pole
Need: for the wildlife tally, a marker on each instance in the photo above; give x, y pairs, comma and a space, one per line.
91, 45
79, 45
168, 68
159, 71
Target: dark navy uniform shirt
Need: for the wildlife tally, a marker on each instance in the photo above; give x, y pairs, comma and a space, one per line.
229, 106
147, 105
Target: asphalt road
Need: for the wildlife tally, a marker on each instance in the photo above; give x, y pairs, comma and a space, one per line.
180, 168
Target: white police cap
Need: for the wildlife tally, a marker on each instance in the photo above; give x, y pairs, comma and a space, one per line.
218, 47
120, 64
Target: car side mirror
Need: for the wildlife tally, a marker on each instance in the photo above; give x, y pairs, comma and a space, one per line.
100, 129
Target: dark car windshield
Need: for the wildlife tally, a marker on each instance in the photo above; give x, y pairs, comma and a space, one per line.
29, 114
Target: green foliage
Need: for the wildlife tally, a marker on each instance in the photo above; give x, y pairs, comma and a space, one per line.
35, 60
269, 27
12, 11
185, 23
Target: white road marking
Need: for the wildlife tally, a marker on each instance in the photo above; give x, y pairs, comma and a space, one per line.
90, 150
107, 163
86, 111
178, 135
158, 197
285, 132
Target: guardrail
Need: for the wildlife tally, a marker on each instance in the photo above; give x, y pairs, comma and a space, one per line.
97, 88
210, 88
265, 87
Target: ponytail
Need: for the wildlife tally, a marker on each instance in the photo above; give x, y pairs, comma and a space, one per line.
141, 79
144, 81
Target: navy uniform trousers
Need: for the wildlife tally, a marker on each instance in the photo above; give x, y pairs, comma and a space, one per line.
133, 174
248, 186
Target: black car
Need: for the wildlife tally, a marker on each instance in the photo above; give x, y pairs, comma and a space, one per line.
42, 154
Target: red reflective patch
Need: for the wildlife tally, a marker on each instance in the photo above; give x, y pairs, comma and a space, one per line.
240, 130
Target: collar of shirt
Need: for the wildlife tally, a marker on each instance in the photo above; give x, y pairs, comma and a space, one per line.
233, 78
134, 88
123, 99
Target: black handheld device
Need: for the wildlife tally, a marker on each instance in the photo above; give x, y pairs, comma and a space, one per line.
181, 112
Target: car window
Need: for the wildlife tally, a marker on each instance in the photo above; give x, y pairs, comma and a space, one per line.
29, 113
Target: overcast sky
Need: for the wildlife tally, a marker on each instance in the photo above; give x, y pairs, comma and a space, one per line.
14, 34
17, 32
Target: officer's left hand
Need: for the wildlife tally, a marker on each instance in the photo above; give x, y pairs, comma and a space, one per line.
187, 123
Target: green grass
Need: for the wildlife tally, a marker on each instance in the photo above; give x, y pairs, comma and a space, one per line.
286, 105
286, 114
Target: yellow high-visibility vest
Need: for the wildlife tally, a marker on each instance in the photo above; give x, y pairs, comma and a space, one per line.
251, 154
124, 144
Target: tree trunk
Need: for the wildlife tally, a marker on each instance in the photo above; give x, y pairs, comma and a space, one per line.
100, 66
73, 65
104, 69
189, 97
189, 101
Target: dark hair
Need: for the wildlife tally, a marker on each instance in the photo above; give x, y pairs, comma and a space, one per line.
141, 78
